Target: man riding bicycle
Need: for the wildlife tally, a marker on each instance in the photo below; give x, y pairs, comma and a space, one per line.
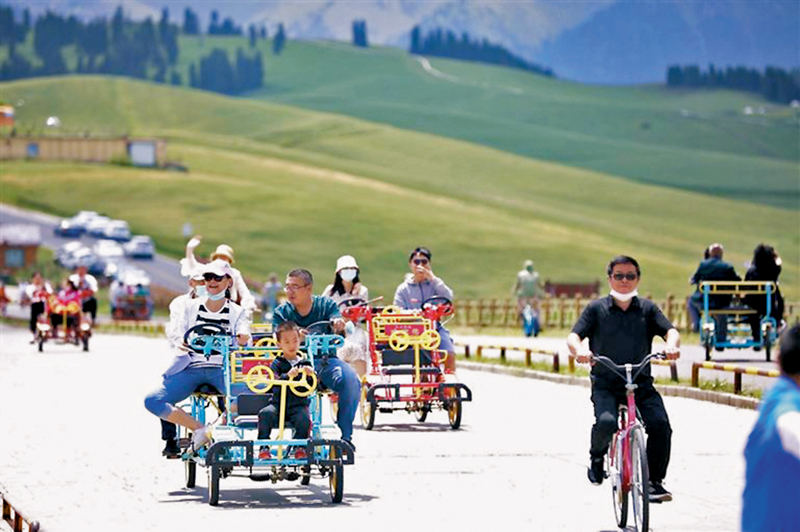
621, 326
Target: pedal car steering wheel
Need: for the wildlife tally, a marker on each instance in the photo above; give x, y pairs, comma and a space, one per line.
353, 308
437, 307
195, 338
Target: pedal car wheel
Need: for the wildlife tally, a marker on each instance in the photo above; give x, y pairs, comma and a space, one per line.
85, 342
367, 410
190, 468
421, 412
454, 411
213, 485
41, 343
337, 478
305, 478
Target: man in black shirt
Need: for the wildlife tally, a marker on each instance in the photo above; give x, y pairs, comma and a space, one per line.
622, 326
714, 269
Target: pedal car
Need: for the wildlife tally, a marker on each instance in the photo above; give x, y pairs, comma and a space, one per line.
407, 368
736, 317
63, 321
130, 298
248, 382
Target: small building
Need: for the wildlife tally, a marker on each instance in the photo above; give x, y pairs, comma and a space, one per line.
19, 244
137, 151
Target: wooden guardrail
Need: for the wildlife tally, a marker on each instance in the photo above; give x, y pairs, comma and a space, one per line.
737, 370
529, 352
16, 519
673, 366
563, 312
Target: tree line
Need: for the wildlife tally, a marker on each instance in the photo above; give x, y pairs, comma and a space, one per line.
445, 43
774, 84
145, 50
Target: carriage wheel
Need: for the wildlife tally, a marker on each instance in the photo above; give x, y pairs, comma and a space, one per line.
336, 480
190, 468
213, 485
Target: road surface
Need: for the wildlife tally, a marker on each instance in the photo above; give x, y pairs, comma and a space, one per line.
79, 451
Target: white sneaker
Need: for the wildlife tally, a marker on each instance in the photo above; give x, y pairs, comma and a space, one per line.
200, 437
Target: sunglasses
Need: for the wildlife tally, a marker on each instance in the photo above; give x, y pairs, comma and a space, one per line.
213, 277
627, 276
419, 262
294, 287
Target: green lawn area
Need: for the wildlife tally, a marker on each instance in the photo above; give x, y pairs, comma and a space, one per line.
288, 187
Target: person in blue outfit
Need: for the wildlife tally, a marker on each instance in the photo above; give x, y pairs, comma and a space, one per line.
772, 455
419, 286
304, 309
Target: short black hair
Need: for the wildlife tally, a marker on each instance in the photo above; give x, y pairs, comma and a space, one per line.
285, 326
300, 273
421, 251
789, 356
623, 259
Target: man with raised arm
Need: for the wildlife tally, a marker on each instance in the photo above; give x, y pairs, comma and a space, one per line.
621, 326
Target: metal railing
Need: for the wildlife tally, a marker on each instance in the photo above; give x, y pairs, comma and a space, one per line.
738, 371
18, 521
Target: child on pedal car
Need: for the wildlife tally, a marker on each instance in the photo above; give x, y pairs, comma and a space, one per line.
286, 367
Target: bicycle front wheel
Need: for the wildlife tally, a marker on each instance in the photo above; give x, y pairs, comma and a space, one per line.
619, 495
640, 482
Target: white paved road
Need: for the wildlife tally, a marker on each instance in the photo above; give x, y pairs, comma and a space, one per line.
79, 451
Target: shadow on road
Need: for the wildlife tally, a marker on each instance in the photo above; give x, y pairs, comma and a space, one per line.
277, 496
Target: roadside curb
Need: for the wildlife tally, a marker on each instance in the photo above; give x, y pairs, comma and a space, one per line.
721, 398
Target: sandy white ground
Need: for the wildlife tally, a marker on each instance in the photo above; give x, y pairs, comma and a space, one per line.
79, 451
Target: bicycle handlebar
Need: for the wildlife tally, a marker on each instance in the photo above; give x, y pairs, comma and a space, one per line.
620, 368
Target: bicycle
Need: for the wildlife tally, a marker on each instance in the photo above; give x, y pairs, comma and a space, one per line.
626, 460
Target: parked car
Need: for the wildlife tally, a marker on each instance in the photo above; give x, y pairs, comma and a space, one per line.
68, 249
68, 228
140, 247
117, 230
108, 249
80, 257
97, 226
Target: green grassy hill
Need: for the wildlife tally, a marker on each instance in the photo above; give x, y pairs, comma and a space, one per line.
695, 140
288, 187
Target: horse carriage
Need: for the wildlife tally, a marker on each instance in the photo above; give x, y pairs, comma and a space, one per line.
248, 383
407, 367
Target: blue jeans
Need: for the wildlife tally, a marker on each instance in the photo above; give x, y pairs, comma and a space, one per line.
177, 387
339, 377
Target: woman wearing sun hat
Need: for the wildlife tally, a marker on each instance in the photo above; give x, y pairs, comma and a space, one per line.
347, 285
238, 291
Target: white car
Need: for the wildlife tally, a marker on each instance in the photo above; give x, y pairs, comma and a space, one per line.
140, 247
97, 226
117, 230
108, 249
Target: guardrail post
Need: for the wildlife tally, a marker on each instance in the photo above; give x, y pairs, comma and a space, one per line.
466, 351
479, 352
556, 363
571, 363
737, 382
695, 375
673, 371
528, 357
503, 353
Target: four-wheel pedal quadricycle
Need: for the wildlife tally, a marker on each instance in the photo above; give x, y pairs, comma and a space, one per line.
407, 367
249, 381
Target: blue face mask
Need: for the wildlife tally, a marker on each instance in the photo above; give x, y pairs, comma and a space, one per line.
200, 291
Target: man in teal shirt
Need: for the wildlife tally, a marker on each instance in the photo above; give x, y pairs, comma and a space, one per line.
304, 309
771, 499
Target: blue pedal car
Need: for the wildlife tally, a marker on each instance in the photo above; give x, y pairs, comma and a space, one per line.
248, 383
724, 306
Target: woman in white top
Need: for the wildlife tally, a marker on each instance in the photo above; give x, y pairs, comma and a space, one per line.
346, 285
239, 292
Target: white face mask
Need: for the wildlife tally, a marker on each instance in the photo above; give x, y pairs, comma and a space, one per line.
216, 297
200, 291
623, 298
348, 274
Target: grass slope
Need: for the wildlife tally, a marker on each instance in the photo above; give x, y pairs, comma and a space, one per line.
287, 187
695, 140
